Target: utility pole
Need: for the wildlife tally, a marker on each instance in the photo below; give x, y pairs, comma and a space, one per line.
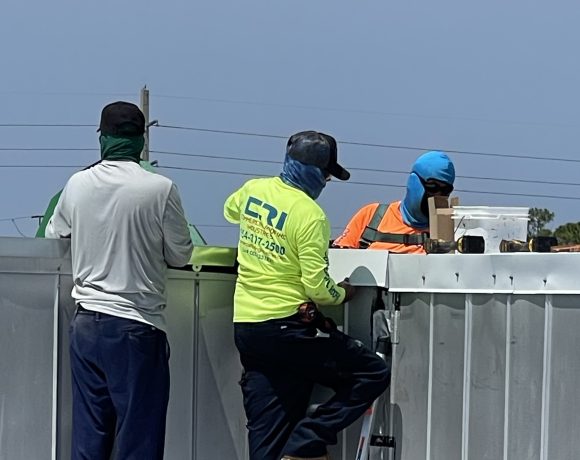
145, 110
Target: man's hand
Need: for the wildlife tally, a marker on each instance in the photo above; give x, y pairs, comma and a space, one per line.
350, 290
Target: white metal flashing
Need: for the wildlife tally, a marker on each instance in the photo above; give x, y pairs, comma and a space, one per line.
362, 267
522, 273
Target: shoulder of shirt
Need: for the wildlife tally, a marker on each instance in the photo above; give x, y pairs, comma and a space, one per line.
366, 212
257, 181
134, 168
157, 177
371, 207
368, 208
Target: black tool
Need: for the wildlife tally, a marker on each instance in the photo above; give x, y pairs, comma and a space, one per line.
467, 244
537, 244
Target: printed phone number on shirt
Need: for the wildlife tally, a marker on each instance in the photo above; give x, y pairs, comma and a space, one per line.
262, 242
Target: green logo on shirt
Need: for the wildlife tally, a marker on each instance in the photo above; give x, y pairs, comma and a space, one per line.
255, 208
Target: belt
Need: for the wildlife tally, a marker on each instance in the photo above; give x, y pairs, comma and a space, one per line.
84, 310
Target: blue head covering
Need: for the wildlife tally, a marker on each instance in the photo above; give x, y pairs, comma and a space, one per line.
308, 178
430, 165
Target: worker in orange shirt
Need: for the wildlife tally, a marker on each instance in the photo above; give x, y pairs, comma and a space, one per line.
402, 226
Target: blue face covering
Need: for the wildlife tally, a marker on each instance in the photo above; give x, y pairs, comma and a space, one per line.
431, 165
310, 179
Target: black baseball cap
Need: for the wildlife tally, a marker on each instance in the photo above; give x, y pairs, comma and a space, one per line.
317, 149
122, 119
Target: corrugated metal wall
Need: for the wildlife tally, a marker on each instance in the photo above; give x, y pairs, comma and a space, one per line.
480, 374
205, 417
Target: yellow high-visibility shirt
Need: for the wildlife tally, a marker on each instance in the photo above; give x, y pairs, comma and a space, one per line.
282, 251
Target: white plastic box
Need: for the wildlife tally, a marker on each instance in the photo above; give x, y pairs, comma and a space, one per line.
493, 223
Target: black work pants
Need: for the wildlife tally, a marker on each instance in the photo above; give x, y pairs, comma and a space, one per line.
282, 359
120, 383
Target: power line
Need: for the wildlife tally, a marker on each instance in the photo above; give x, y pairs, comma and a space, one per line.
48, 149
13, 220
483, 192
275, 136
218, 157
293, 106
221, 131
41, 166
355, 168
10, 219
252, 160
375, 184
63, 93
47, 125
7, 219
361, 111
17, 229
368, 144
213, 171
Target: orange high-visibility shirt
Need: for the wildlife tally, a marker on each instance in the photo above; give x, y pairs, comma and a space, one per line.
392, 222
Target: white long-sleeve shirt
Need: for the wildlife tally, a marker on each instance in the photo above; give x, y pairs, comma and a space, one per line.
126, 225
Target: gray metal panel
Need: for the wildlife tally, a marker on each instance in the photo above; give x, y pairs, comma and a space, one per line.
512, 359
26, 366
220, 428
487, 377
413, 361
180, 326
66, 309
199, 379
358, 313
524, 404
447, 376
34, 255
38, 248
564, 412
355, 320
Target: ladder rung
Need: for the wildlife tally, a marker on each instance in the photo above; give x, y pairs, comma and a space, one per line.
382, 441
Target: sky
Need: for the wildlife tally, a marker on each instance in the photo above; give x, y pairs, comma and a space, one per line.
491, 77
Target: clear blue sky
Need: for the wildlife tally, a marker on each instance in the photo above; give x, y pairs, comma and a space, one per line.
493, 76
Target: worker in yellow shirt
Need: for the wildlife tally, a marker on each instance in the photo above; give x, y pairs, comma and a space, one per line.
282, 277
402, 226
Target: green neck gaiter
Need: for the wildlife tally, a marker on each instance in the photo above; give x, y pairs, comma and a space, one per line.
121, 148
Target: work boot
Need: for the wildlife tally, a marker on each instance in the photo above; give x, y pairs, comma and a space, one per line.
290, 457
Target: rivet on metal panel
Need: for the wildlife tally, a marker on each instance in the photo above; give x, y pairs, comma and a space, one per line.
511, 279
423, 278
494, 278
456, 276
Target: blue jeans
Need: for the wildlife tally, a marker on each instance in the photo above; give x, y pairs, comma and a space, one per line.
282, 359
120, 382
